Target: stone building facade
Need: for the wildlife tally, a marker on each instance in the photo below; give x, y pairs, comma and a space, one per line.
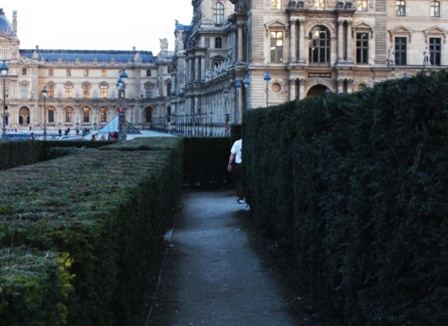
235, 55
308, 47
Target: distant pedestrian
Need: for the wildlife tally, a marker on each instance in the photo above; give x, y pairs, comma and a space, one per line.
235, 154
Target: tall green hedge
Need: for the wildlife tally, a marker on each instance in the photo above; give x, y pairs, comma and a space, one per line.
355, 187
106, 211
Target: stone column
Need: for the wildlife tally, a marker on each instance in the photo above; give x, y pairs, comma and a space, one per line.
340, 42
302, 48
293, 41
349, 49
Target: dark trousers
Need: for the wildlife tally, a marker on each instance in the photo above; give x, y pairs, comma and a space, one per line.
239, 181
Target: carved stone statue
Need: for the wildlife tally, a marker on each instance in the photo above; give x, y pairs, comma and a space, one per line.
426, 56
163, 44
391, 56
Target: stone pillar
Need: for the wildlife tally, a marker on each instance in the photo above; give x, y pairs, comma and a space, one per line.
240, 43
293, 41
349, 46
301, 40
340, 42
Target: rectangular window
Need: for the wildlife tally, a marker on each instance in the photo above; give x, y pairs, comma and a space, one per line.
435, 51
103, 91
86, 91
400, 51
86, 72
68, 91
362, 48
103, 73
319, 4
148, 73
50, 72
435, 9
68, 115
362, 5
50, 89
24, 90
400, 8
276, 4
50, 115
276, 47
68, 72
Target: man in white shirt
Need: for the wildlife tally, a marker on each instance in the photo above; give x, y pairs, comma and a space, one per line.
235, 153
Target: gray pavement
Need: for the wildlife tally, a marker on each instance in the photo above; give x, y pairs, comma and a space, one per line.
212, 275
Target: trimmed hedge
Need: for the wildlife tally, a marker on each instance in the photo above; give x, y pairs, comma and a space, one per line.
108, 210
355, 187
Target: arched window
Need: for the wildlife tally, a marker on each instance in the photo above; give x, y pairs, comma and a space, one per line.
86, 90
400, 8
68, 114
103, 90
218, 13
148, 115
68, 90
435, 9
85, 114
50, 114
319, 51
103, 114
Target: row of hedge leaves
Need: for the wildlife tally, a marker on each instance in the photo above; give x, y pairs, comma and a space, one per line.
355, 187
80, 233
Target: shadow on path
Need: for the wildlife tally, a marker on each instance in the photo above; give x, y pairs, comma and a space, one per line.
212, 275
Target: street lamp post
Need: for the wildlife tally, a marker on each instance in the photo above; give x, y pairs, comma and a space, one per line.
226, 97
121, 85
238, 88
246, 83
4, 71
44, 95
267, 78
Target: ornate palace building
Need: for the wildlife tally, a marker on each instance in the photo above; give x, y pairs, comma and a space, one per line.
235, 55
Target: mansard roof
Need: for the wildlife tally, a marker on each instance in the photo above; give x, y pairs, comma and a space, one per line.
89, 55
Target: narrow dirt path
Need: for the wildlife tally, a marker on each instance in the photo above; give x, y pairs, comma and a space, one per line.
212, 276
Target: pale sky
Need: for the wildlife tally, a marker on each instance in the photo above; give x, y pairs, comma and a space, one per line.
97, 24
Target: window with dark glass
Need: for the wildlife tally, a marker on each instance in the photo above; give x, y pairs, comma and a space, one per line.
103, 114
435, 51
435, 9
400, 50
50, 114
85, 114
362, 47
400, 8
23, 71
319, 51
148, 73
276, 47
168, 89
218, 42
148, 115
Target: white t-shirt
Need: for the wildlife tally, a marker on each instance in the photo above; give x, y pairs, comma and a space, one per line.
236, 149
